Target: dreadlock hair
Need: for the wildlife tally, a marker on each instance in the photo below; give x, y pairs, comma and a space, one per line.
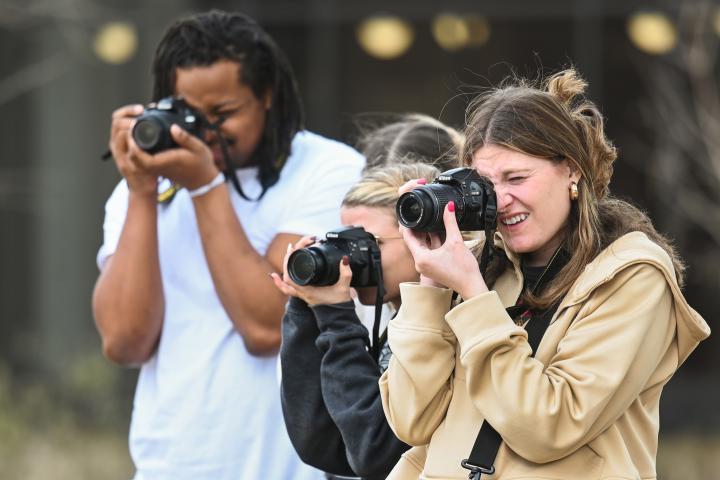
203, 39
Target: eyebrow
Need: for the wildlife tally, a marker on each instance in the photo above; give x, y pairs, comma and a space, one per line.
509, 172
233, 102
515, 171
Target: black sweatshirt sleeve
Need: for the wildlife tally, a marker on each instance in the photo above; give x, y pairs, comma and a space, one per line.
312, 431
349, 379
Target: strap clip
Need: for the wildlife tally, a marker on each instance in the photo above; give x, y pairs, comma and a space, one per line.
477, 470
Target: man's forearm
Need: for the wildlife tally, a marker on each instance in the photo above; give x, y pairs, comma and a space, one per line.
128, 302
240, 273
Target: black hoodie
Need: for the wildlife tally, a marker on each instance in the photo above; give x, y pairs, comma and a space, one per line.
330, 395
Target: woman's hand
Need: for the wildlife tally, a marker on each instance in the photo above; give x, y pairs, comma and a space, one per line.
328, 295
431, 240
444, 262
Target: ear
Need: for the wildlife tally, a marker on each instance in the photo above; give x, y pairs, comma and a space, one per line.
574, 173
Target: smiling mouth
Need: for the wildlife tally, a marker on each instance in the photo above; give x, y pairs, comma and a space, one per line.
514, 220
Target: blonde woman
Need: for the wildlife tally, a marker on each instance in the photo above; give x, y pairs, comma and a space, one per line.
330, 394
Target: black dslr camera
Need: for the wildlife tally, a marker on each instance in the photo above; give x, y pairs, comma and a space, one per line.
475, 203
152, 128
319, 265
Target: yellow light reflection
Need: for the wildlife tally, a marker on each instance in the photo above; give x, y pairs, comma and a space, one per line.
116, 42
716, 21
652, 32
478, 30
450, 31
385, 37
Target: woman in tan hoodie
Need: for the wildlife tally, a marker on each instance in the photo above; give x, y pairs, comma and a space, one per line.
589, 268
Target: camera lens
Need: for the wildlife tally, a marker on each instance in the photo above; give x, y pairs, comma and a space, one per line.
422, 209
415, 209
147, 133
305, 265
411, 209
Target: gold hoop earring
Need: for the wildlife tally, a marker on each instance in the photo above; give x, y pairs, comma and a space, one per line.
574, 194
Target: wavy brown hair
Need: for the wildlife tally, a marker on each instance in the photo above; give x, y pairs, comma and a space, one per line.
555, 121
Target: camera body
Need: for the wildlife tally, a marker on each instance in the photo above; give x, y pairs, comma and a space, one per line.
319, 264
475, 202
152, 128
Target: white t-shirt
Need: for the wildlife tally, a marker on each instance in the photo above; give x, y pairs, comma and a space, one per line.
366, 314
204, 407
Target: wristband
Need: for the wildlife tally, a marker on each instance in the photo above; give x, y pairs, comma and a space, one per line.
215, 182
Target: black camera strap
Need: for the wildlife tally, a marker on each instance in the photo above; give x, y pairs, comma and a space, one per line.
229, 167
489, 222
377, 267
483, 453
487, 251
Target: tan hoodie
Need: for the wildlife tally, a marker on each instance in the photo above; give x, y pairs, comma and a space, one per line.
585, 407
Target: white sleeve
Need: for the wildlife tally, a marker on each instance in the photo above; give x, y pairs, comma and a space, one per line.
314, 207
115, 213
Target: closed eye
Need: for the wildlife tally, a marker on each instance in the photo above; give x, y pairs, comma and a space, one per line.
228, 113
516, 179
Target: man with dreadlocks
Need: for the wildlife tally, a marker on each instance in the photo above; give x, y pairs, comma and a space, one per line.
184, 288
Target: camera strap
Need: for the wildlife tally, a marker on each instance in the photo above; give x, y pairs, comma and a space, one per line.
377, 267
229, 168
484, 450
490, 222
487, 250
168, 194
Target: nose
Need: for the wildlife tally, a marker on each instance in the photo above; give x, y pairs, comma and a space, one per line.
504, 199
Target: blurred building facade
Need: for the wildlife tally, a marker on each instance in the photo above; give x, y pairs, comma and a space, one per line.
67, 64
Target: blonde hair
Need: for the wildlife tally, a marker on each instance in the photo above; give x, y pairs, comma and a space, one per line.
555, 121
379, 186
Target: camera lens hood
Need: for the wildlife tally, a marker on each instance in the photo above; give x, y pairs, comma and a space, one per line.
422, 208
306, 266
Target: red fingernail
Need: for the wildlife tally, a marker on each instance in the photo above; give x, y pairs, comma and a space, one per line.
422, 181
451, 206
346, 260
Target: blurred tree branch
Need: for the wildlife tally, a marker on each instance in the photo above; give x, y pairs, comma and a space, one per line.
21, 14
684, 115
32, 76
74, 20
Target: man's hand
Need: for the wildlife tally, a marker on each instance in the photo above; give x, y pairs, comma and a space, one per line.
191, 165
139, 179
